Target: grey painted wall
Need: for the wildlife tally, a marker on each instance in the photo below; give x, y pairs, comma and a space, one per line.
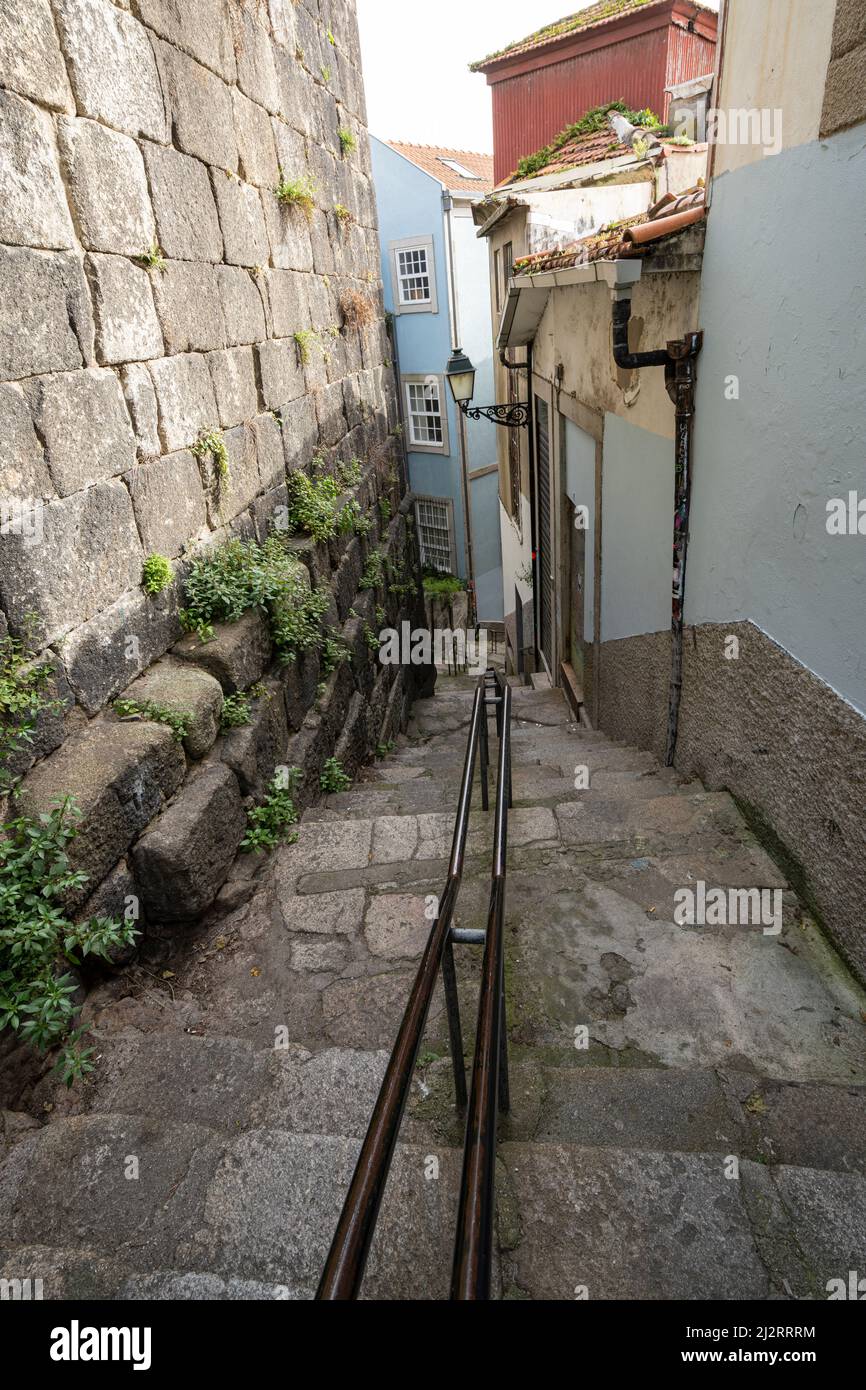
637, 530
784, 308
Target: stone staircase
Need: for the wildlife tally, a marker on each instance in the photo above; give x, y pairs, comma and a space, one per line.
688, 1103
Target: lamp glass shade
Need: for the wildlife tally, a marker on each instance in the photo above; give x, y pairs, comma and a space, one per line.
461, 376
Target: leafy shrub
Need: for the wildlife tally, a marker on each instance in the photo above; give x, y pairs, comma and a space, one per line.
305, 340
22, 698
299, 193
373, 573
348, 143
224, 583
312, 504
156, 574
350, 473
335, 651
442, 585
35, 1001
269, 825
333, 778
159, 714
152, 258
235, 711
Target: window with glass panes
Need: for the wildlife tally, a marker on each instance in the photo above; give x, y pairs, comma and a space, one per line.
434, 534
413, 275
425, 414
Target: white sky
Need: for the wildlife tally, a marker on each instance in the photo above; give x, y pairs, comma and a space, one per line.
416, 64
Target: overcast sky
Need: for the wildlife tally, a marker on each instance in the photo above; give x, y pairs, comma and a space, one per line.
416, 61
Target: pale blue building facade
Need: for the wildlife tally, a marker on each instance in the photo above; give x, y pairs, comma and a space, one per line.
436, 278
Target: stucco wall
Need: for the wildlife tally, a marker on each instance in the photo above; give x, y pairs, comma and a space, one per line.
780, 311
637, 529
775, 57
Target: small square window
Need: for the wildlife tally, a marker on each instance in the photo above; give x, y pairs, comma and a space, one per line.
413, 275
425, 414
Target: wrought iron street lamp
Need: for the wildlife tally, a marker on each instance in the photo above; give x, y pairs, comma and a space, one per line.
460, 374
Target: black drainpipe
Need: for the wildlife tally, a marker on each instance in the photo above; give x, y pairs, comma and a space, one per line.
679, 360
533, 520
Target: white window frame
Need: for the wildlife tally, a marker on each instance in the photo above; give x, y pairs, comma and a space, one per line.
420, 306
448, 504
425, 379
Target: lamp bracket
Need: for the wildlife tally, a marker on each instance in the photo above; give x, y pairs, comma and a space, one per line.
512, 416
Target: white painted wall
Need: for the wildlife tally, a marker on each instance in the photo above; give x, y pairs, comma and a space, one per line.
637, 520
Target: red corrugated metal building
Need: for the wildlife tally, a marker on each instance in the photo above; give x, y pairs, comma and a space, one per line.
616, 49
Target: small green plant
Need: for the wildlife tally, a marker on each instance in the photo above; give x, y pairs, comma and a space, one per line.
270, 824
22, 696
156, 574
305, 340
371, 638
343, 214
235, 711
363, 523
152, 259
333, 778
36, 996
298, 193
347, 520
335, 651
372, 575
212, 442
350, 473
348, 142
383, 749
312, 504
176, 720
380, 616
442, 585
326, 73
385, 509
331, 38
397, 431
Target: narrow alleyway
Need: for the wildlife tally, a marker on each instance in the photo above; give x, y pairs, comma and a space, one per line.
703, 1137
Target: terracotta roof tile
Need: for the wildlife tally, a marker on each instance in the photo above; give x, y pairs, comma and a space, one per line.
622, 240
575, 154
430, 157
604, 12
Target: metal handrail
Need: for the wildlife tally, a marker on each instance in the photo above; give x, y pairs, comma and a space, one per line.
350, 1247
344, 1267
473, 1251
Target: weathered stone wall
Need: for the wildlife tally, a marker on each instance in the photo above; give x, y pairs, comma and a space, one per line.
153, 125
